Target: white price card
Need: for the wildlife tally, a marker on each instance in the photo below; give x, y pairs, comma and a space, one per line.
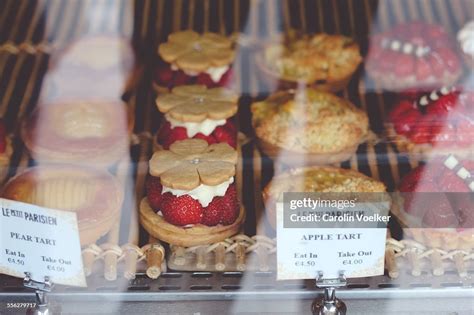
42, 241
303, 252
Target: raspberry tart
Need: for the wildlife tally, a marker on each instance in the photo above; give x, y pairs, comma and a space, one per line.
414, 54
435, 205
438, 122
465, 38
95, 196
191, 195
194, 111
192, 58
109, 60
94, 133
323, 61
308, 127
316, 179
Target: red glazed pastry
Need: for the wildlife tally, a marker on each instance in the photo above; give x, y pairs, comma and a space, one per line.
193, 111
191, 195
414, 54
191, 58
435, 207
439, 122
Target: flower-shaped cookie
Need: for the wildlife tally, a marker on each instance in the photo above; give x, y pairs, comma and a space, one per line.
189, 163
195, 103
191, 51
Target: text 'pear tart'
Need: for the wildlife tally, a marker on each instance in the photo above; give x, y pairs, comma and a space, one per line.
191, 194
192, 58
194, 111
322, 61
316, 179
95, 196
436, 204
94, 133
308, 127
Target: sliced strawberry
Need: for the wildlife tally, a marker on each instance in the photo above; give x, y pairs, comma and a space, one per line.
443, 105
165, 75
205, 79
153, 189
226, 78
180, 78
405, 65
221, 134
446, 136
176, 134
423, 69
440, 214
410, 180
407, 121
210, 139
212, 214
421, 134
230, 206
230, 126
164, 132
181, 210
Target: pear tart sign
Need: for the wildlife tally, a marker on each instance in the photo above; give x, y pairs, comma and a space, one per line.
42, 241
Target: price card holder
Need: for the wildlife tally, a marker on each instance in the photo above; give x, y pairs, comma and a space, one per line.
41, 291
328, 304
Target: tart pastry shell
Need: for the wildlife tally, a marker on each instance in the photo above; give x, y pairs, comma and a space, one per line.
64, 186
196, 235
425, 151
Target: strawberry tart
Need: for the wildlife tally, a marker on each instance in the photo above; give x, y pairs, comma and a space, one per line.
438, 122
5, 150
191, 194
414, 54
192, 58
435, 205
194, 111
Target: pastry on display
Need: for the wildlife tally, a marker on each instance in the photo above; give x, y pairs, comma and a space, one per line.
465, 38
435, 206
95, 196
438, 122
194, 111
191, 194
94, 133
91, 67
316, 179
192, 58
6, 150
323, 61
308, 126
413, 55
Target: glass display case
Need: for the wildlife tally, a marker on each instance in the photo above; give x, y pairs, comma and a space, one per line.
173, 132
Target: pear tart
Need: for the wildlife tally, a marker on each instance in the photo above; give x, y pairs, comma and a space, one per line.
192, 58
323, 61
316, 179
435, 206
95, 133
308, 127
95, 196
194, 111
191, 195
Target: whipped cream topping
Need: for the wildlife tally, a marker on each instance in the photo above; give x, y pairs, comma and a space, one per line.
215, 73
203, 193
206, 127
466, 38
